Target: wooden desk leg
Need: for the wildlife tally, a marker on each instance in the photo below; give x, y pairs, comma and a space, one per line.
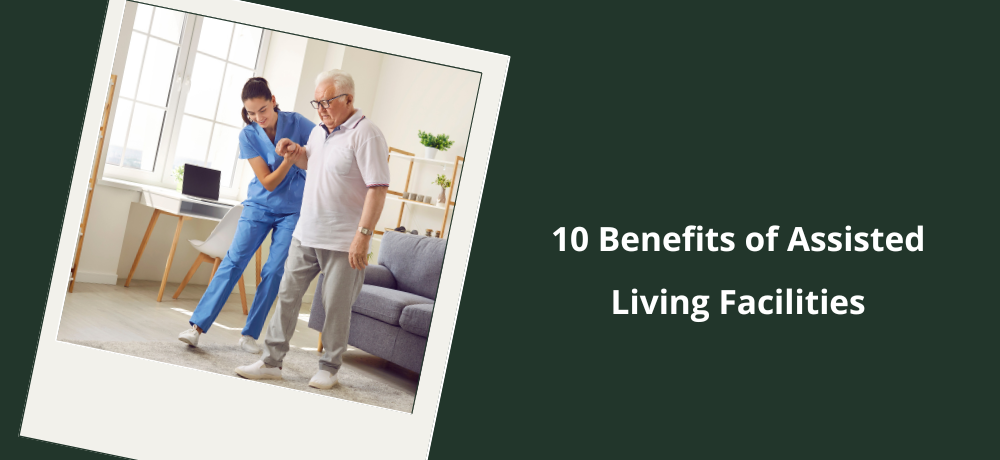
142, 246
258, 264
202, 258
170, 258
215, 267
243, 296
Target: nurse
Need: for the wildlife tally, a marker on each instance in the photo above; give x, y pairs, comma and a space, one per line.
273, 201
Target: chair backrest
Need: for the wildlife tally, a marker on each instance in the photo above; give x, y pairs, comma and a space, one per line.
415, 261
222, 237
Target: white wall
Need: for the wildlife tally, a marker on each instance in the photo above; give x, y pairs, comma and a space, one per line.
365, 67
312, 64
334, 56
413, 96
283, 67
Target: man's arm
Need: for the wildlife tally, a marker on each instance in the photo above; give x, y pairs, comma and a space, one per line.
374, 201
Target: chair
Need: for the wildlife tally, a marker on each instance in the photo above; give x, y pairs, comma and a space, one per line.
214, 249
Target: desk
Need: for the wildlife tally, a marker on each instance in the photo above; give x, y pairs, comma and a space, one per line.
173, 203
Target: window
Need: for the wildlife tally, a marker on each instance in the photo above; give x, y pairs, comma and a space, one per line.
223, 60
179, 98
145, 87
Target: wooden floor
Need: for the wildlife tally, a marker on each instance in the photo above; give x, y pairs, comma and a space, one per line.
132, 314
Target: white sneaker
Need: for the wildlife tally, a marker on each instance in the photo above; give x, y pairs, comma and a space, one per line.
249, 345
323, 380
190, 336
258, 371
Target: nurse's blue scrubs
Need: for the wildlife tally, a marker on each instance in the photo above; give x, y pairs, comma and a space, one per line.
263, 211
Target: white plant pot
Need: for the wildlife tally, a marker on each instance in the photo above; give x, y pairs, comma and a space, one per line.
430, 152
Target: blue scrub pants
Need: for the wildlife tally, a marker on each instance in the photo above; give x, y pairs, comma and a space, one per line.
253, 227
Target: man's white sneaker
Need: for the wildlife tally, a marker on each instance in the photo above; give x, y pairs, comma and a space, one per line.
190, 336
323, 380
249, 345
258, 371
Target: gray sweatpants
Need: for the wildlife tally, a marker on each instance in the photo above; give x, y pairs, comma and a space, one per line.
341, 285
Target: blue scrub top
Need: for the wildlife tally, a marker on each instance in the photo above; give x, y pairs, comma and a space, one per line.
287, 197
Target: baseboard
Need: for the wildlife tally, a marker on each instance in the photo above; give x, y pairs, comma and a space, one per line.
96, 278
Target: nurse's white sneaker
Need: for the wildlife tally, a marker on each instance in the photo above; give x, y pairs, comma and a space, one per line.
258, 371
249, 345
323, 380
190, 336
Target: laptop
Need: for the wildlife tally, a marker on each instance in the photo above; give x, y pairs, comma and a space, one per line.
201, 183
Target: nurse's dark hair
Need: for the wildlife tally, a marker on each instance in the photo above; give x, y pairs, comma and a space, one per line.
254, 88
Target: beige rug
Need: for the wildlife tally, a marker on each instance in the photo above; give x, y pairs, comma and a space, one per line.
298, 367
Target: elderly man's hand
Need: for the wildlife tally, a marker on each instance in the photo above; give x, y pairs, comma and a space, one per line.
285, 146
358, 254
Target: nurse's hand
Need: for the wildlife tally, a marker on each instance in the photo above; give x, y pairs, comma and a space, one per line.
285, 146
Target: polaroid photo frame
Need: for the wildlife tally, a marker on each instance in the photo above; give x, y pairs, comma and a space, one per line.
138, 408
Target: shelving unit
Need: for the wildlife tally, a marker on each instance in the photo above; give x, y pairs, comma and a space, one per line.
93, 181
412, 158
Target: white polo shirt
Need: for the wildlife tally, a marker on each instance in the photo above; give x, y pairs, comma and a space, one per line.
343, 164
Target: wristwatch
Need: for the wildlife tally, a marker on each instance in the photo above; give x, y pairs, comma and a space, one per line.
364, 231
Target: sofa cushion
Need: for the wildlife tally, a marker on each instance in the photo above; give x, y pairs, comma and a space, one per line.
415, 261
385, 304
378, 275
416, 319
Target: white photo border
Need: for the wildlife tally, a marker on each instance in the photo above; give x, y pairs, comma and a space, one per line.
108, 402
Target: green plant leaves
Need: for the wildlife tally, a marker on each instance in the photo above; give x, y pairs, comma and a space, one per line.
442, 181
440, 142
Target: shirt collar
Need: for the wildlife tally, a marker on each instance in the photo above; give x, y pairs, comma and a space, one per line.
351, 123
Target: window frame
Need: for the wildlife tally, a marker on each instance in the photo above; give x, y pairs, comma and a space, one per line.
161, 175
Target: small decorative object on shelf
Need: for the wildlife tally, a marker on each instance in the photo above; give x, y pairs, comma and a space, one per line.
419, 198
427, 199
179, 177
429, 231
434, 143
437, 233
414, 232
444, 183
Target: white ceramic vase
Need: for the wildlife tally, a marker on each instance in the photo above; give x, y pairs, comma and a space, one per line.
430, 152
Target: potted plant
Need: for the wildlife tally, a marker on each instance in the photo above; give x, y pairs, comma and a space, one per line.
444, 183
434, 143
179, 177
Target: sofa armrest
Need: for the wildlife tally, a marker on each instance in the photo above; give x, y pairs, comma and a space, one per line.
378, 275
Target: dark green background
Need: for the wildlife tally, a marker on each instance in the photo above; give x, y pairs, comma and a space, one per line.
614, 114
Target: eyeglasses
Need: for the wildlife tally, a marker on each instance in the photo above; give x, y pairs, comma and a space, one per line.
325, 104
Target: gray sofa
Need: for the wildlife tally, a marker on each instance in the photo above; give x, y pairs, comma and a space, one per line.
392, 316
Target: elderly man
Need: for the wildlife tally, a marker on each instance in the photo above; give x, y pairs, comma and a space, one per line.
348, 176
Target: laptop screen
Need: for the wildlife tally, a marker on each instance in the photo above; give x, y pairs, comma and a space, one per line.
201, 182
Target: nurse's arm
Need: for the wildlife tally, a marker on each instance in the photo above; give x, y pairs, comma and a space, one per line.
270, 180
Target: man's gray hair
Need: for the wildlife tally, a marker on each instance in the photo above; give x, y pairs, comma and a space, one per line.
342, 80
